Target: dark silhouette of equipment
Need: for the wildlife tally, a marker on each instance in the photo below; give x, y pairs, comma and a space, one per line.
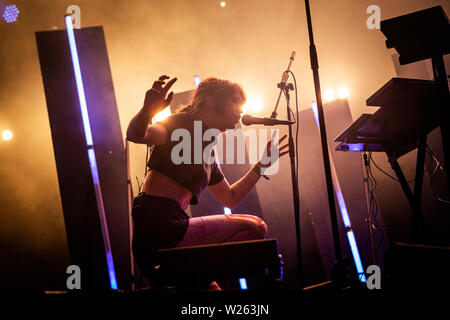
408, 112
409, 108
196, 265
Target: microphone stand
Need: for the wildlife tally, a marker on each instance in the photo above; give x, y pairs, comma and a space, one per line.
340, 270
284, 88
295, 191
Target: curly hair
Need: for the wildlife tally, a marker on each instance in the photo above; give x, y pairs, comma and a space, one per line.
218, 90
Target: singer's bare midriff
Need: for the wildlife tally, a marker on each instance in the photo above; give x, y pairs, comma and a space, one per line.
160, 185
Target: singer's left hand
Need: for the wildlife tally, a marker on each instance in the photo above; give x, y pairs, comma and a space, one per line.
268, 151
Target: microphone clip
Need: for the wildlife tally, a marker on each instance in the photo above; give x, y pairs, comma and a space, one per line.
285, 86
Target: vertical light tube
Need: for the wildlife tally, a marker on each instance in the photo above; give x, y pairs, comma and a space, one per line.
243, 283
91, 152
344, 212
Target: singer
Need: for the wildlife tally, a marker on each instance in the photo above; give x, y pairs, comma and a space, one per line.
159, 216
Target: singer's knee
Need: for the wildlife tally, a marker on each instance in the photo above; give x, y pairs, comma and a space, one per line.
258, 228
252, 226
262, 230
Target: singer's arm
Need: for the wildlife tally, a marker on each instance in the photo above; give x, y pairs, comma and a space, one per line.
139, 131
231, 196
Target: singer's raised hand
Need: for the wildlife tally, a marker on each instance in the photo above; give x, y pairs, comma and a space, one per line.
155, 98
284, 149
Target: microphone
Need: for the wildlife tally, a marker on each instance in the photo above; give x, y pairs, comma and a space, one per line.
286, 73
282, 84
248, 120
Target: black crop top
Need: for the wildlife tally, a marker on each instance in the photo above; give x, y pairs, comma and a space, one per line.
194, 177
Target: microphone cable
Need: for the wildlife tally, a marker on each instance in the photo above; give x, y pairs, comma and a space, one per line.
296, 118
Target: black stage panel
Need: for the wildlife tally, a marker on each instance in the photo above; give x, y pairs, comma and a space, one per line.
74, 175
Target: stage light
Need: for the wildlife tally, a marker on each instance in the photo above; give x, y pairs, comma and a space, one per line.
223, 4
162, 115
7, 135
11, 13
252, 105
256, 105
243, 283
197, 81
90, 151
356, 257
343, 93
328, 94
344, 212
